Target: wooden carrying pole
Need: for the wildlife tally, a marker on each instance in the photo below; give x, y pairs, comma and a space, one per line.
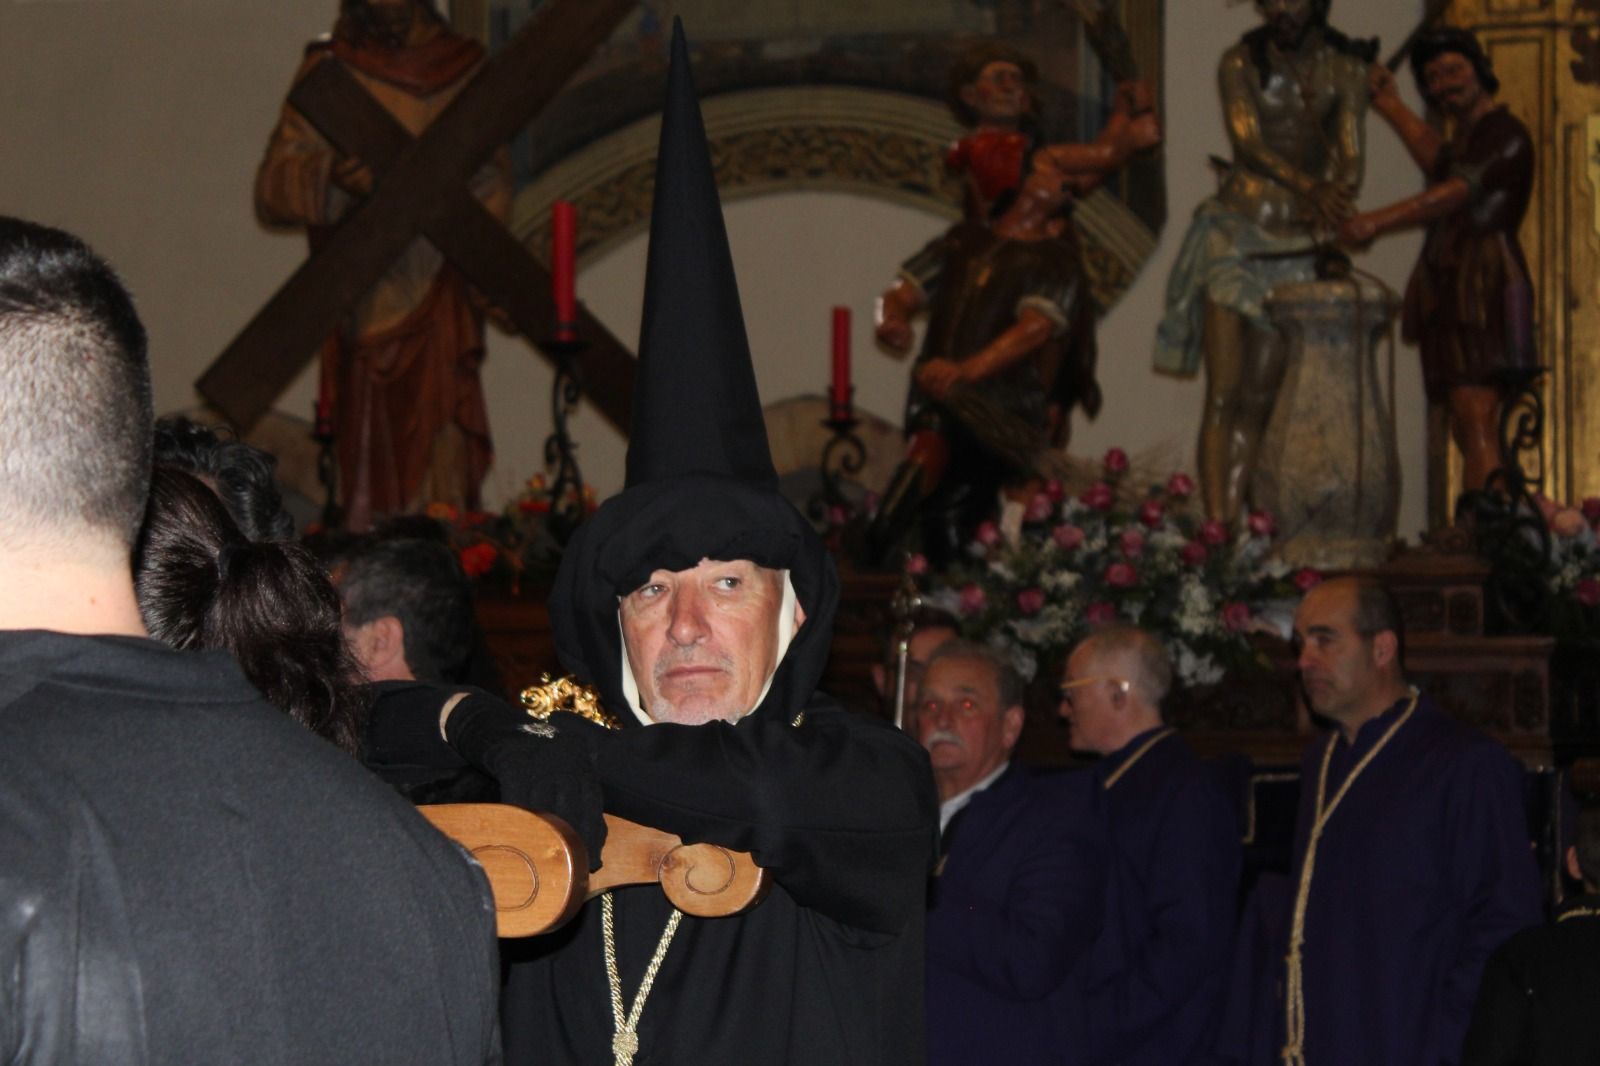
539, 871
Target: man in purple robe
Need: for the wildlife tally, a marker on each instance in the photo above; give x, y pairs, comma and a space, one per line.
1411, 858
1149, 990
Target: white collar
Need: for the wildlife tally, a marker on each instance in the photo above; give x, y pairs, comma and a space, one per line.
948, 809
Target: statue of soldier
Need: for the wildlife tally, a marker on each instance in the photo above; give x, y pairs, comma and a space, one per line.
1294, 95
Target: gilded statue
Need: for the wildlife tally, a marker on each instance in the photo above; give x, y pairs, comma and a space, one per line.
1294, 94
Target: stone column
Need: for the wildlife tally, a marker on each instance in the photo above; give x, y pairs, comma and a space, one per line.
1328, 469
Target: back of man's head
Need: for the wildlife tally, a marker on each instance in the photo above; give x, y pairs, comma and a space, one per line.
418, 581
1377, 611
75, 408
1136, 656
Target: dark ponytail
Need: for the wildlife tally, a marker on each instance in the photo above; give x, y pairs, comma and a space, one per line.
201, 584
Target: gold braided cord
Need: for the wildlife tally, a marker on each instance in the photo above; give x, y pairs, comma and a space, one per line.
1294, 1053
548, 697
625, 1042
1116, 775
1578, 912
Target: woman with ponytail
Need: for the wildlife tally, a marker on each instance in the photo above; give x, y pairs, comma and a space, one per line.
202, 585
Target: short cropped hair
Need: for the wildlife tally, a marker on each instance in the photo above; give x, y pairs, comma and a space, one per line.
1377, 610
419, 581
240, 474
1152, 666
75, 408
1008, 682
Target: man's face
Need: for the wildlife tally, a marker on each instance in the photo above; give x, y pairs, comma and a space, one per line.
1452, 82
702, 642
1337, 664
1091, 711
998, 95
1287, 19
961, 723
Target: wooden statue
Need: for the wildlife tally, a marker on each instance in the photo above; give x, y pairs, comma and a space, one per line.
1469, 306
1010, 343
400, 375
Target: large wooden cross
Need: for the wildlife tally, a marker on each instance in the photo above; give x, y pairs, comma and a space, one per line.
420, 188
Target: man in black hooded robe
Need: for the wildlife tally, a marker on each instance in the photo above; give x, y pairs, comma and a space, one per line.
727, 598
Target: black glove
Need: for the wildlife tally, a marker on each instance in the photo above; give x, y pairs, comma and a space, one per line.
546, 767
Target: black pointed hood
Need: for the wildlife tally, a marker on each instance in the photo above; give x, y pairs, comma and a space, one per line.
700, 480
693, 351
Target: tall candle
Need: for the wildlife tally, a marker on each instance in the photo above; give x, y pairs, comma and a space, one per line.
839, 397
563, 242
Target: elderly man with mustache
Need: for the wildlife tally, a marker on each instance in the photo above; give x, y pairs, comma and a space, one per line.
1018, 892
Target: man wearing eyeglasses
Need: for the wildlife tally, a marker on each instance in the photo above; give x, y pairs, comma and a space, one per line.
1150, 989
1018, 893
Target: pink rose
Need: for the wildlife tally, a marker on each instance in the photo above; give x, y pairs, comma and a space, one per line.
1591, 508
1547, 506
1150, 513
1235, 616
1214, 534
917, 564
1132, 543
1030, 601
1039, 508
1055, 490
1179, 486
1194, 553
1307, 579
1098, 497
1116, 461
1121, 575
1588, 592
837, 515
1098, 614
1067, 536
1568, 523
988, 534
1261, 524
973, 599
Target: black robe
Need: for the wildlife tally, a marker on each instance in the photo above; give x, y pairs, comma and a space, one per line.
188, 876
828, 970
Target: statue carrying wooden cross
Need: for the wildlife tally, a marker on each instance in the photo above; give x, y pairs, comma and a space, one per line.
398, 234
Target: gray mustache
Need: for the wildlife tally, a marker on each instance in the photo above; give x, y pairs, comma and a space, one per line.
943, 736
689, 657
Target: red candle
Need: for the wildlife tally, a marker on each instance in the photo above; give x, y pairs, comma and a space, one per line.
839, 398
563, 242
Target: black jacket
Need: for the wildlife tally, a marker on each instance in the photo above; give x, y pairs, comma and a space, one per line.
188, 876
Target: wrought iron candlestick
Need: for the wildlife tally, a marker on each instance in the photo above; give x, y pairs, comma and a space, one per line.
566, 489
842, 456
1506, 520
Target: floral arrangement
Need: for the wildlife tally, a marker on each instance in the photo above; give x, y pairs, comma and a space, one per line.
1111, 552
512, 547
1570, 572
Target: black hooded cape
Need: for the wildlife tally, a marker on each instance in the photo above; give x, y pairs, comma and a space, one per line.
840, 808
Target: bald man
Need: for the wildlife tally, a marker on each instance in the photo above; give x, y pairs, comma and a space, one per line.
1151, 987
1411, 855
